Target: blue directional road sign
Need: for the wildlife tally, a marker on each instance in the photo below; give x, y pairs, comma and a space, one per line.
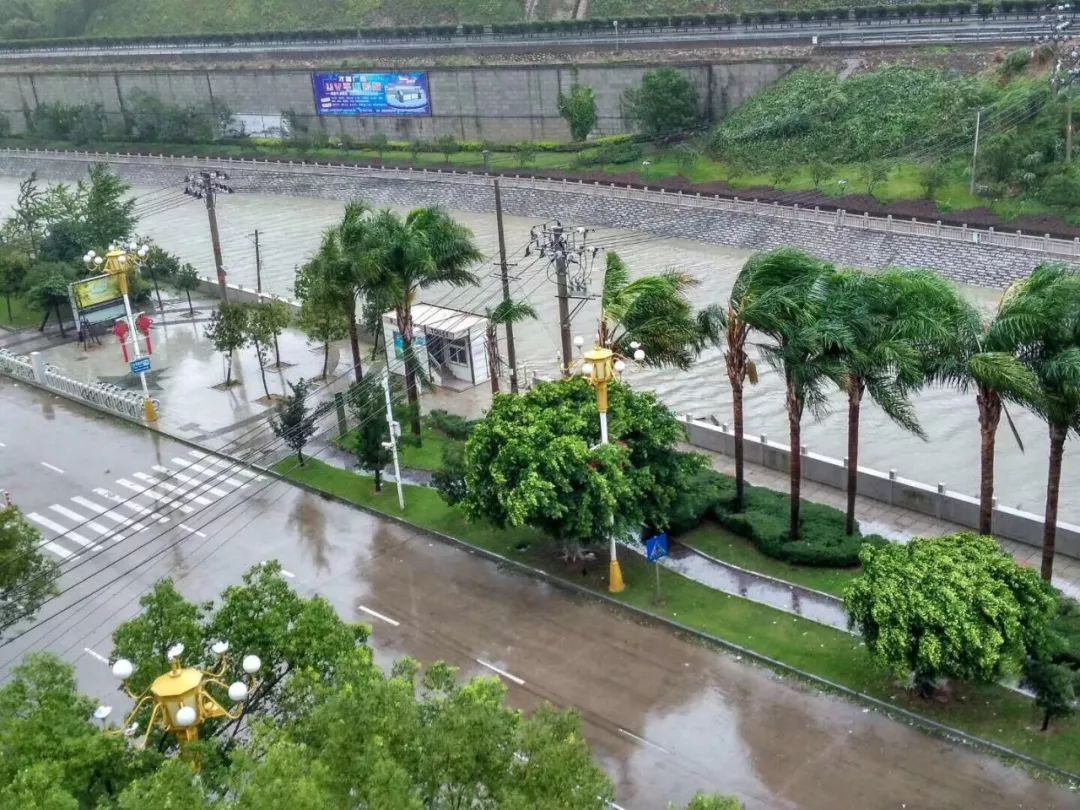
140, 365
656, 548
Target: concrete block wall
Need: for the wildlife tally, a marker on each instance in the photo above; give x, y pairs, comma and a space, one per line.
499, 104
935, 501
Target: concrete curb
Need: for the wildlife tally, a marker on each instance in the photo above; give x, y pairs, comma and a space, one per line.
895, 712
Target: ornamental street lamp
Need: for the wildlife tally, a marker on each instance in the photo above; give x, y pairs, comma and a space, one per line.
118, 262
181, 698
599, 366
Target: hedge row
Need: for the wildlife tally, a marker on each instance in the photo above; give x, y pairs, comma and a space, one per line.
984, 8
764, 521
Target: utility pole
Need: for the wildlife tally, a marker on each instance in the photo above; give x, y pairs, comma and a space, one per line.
392, 444
204, 186
566, 248
511, 354
258, 264
975, 151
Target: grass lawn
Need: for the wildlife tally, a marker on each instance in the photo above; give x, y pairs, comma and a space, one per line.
428, 456
718, 542
21, 316
990, 712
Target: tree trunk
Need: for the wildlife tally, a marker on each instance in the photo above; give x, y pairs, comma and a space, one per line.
191, 309
412, 390
378, 479
60, 321
740, 465
989, 416
300, 455
855, 395
1046, 720
277, 352
1053, 488
228, 369
325, 359
9, 315
157, 292
493, 357
794, 409
44, 320
354, 341
262, 369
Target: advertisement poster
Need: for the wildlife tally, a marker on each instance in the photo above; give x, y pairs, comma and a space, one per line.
371, 94
93, 292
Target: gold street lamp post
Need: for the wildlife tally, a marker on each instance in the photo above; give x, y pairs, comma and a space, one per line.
600, 365
118, 262
181, 698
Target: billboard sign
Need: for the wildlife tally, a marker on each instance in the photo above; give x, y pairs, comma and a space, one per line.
93, 292
371, 94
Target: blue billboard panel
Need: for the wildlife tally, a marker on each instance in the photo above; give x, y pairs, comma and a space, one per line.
371, 94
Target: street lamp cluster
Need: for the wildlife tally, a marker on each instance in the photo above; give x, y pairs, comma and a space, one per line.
180, 698
117, 262
600, 366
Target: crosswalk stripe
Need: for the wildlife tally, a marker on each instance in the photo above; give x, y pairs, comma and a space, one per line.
169, 501
71, 514
142, 511
61, 531
58, 550
225, 463
197, 453
199, 468
204, 485
187, 496
108, 513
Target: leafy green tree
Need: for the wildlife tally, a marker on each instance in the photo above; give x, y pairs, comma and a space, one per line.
526, 153
259, 331
685, 157
1043, 318
47, 289
406, 255
379, 141
665, 105
448, 145
578, 109
27, 576
950, 607
820, 171
655, 313
228, 331
159, 266
536, 460
876, 173
1056, 687
324, 312
506, 313
26, 226
934, 177
449, 479
187, 279
366, 441
294, 423
14, 268
806, 342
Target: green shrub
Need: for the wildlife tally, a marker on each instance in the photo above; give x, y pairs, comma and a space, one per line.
764, 522
1016, 61
1061, 189
450, 424
703, 490
612, 153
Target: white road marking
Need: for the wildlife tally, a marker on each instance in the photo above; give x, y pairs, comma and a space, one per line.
288, 574
71, 514
386, 619
196, 453
58, 550
169, 501
183, 495
61, 531
93, 654
213, 474
195, 532
502, 672
614, 806
204, 485
142, 511
49, 466
2, 444
108, 513
633, 736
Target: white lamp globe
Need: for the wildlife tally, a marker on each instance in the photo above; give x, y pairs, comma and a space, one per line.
122, 259
586, 369
639, 355
122, 669
98, 260
185, 716
579, 341
251, 664
620, 366
238, 692
91, 253
219, 647
101, 712
143, 251
87, 259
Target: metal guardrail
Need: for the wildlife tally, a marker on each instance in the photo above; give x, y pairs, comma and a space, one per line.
103, 395
1017, 240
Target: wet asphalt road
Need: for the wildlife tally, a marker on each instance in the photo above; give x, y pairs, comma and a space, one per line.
666, 717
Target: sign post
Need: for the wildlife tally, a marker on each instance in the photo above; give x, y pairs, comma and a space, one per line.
656, 548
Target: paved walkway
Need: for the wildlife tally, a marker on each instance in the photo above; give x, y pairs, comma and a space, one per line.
895, 523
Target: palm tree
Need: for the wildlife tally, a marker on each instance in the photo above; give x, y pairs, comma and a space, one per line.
893, 317
407, 255
981, 355
1043, 317
654, 312
345, 250
508, 311
807, 340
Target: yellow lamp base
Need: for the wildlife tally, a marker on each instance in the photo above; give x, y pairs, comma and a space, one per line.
615, 580
149, 411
